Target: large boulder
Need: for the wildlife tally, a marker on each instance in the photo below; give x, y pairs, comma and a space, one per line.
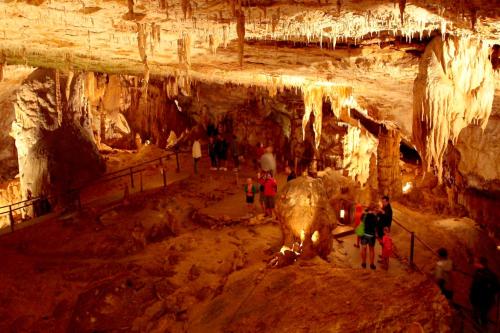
306, 216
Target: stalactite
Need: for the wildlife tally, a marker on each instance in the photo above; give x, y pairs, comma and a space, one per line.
184, 50
214, 42
473, 16
402, 5
454, 88
240, 28
187, 9
130, 4
58, 96
314, 95
2, 65
339, 6
68, 84
358, 148
141, 40
225, 36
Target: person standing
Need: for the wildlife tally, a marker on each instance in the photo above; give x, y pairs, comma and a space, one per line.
196, 152
483, 291
250, 191
268, 162
385, 213
368, 239
270, 190
442, 273
386, 248
212, 152
221, 149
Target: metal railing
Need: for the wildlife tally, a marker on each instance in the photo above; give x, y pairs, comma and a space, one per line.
463, 310
41, 205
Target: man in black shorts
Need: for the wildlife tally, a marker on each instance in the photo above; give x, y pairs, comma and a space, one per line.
368, 239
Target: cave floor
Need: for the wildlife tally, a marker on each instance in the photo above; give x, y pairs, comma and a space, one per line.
154, 266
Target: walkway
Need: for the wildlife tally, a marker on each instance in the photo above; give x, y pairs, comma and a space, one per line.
102, 195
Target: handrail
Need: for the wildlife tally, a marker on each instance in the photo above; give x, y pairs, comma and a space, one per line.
427, 246
104, 178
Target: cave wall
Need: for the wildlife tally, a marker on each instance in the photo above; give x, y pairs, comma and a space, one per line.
56, 149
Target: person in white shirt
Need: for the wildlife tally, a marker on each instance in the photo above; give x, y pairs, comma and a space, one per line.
442, 272
196, 154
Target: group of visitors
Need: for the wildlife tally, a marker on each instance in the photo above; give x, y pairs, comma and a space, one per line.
372, 225
218, 149
268, 186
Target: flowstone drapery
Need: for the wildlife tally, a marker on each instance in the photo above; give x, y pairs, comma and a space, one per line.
454, 88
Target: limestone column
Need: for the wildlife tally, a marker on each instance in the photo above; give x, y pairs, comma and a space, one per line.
389, 173
53, 136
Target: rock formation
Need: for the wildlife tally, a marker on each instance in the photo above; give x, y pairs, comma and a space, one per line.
54, 142
454, 88
306, 217
389, 172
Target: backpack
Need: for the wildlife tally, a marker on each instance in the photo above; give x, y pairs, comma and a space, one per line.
360, 229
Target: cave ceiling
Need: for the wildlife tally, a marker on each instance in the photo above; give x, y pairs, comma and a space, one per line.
358, 44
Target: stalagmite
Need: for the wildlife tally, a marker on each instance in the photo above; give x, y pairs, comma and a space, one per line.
306, 217
454, 88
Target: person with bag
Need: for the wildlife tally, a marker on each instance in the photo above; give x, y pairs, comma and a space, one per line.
359, 229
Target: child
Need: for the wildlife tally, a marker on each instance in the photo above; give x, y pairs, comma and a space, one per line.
386, 248
250, 191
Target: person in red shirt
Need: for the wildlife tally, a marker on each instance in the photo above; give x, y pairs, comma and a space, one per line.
270, 189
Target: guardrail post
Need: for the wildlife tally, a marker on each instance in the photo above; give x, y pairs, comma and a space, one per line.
412, 248
11, 219
177, 161
164, 174
131, 178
